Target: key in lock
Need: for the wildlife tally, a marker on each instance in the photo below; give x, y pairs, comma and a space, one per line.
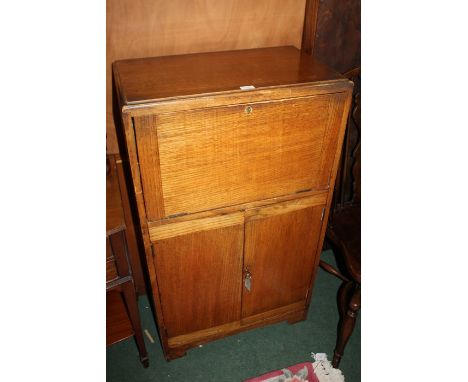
248, 280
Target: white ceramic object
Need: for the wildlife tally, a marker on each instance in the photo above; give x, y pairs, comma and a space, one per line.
324, 370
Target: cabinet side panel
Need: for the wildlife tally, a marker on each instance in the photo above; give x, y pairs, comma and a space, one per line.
334, 158
330, 142
199, 276
280, 253
131, 151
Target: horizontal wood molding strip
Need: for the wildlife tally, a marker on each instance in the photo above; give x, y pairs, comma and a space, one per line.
297, 306
183, 228
202, 334
239, 207
285, 207
205, 335
236, 98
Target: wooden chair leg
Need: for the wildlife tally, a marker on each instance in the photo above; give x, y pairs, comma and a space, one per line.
134, 315
344, 295
347, 320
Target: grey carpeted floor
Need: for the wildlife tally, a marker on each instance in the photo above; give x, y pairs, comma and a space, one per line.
248, 354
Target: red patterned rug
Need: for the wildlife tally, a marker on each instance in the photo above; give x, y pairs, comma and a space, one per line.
302, 372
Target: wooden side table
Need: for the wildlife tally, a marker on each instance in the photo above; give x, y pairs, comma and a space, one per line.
122, 315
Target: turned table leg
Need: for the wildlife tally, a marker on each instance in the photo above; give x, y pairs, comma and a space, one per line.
347, 319
134, 315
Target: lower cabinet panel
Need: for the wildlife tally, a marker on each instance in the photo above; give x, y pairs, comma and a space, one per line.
279, 254
200, 276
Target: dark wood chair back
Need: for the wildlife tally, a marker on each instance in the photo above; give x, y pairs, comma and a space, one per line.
344, 225
348, 181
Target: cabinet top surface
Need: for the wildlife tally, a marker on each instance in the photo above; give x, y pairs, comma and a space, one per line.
159, 78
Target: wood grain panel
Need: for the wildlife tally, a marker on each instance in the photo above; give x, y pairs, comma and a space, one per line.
217, 157
199, 276
148, 28
280, 252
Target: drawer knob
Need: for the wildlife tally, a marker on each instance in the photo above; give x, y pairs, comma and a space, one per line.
248, 109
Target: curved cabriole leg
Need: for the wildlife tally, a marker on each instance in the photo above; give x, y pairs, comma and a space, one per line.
347, 321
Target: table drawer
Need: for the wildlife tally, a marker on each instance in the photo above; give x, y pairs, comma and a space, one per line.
203, 159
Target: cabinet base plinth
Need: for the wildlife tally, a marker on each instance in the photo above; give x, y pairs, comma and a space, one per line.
173, 354
187, 342
300, 316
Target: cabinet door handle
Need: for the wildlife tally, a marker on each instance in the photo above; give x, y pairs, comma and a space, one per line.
248, 280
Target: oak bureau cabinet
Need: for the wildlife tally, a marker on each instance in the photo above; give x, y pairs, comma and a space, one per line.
232, 157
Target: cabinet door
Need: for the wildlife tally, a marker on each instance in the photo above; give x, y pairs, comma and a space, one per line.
199, 272
281, 245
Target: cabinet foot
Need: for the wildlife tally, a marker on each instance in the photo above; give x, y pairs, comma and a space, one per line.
297, 317
145, 361
175, 353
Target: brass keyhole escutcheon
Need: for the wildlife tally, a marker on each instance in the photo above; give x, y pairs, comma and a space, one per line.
248, 109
